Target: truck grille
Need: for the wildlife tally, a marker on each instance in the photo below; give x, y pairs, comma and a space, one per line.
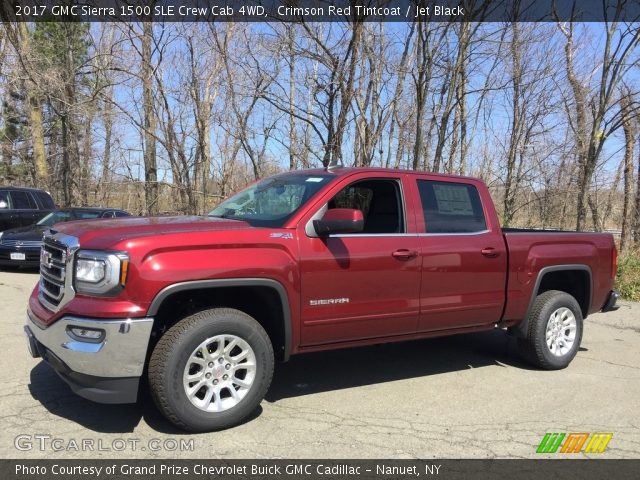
56, 262
20, 243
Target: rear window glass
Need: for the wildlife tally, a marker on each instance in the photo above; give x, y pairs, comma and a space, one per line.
450, 207
45, 200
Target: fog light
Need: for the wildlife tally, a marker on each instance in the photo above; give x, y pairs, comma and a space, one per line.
86, 334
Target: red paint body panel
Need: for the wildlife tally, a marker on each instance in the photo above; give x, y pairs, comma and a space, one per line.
531, 252
460, 286
397, 286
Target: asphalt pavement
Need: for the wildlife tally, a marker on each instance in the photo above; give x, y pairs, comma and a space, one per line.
466, 396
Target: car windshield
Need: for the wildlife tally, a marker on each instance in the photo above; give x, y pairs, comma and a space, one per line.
271, 202
66, 216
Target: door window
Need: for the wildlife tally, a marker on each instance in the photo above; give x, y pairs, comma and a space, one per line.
451, 207
45, 200
4, 199
22, 201
380, 202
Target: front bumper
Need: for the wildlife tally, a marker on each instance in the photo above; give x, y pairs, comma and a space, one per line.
611, 303
105, 371
32, 256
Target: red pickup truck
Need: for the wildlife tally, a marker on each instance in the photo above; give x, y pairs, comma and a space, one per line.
303, 261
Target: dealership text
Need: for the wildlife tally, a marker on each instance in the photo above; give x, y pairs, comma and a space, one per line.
221, 470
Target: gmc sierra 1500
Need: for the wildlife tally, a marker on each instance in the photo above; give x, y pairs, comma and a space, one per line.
303, 261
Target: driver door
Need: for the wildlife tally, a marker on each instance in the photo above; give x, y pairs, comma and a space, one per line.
362, 285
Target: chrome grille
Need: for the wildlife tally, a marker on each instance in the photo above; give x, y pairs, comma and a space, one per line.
56, 261
20, 243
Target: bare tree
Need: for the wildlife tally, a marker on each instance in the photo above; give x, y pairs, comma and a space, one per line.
21, 39
628, 126
594, 121
150, 121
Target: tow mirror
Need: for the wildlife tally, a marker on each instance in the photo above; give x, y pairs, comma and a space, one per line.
339, 220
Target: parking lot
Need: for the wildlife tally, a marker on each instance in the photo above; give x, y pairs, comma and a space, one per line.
466, 396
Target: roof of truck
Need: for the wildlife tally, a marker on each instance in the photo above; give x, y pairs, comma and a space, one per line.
342, 171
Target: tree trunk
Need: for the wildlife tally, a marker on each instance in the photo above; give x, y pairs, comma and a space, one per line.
629, 142
636, 223
107, 120
293, 139
510, 185
35, 117
150, 166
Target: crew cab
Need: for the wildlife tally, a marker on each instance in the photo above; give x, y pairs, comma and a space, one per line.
303, 261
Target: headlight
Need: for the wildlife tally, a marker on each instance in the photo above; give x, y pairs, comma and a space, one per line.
90, 270
100, 273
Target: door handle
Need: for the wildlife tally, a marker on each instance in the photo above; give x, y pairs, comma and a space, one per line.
490, 252
404, 254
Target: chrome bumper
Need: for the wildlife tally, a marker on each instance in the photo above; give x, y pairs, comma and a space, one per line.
120, 353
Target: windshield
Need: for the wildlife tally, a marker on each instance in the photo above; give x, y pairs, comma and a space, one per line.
271, 202
66, 216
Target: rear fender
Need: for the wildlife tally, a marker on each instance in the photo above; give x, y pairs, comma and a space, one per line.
521, 329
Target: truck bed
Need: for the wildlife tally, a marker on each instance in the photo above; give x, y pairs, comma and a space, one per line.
533, 253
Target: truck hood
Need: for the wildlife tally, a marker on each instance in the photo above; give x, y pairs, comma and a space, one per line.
104, 234
28, 233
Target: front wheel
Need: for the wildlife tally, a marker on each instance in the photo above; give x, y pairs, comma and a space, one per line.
554, 331
211, 369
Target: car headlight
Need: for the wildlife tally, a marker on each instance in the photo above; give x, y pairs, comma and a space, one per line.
100, 273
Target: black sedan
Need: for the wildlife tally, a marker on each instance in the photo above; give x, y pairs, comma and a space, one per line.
20, 247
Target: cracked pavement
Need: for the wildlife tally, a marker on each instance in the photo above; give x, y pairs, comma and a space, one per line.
466, 396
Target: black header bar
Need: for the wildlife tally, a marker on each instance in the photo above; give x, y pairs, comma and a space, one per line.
321, 10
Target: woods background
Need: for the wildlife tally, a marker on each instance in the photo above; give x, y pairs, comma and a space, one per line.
158, 118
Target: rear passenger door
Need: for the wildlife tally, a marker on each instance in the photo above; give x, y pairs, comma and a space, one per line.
25, 209
464, 259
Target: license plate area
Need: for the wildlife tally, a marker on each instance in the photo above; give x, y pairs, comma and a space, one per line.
17, 256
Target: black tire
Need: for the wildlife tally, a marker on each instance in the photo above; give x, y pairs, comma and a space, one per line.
534, 347
174, 349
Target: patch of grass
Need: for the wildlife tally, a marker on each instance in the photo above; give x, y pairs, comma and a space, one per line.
628, 279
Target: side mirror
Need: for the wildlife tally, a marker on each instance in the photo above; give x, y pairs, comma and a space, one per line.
339, 220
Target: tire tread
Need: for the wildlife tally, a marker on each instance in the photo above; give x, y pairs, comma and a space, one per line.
533, 348
160, 357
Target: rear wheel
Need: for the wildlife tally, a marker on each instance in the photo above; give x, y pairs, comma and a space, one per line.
211, 369
554, 331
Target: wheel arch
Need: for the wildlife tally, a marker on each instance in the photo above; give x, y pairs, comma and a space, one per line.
574, 279
268, 295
